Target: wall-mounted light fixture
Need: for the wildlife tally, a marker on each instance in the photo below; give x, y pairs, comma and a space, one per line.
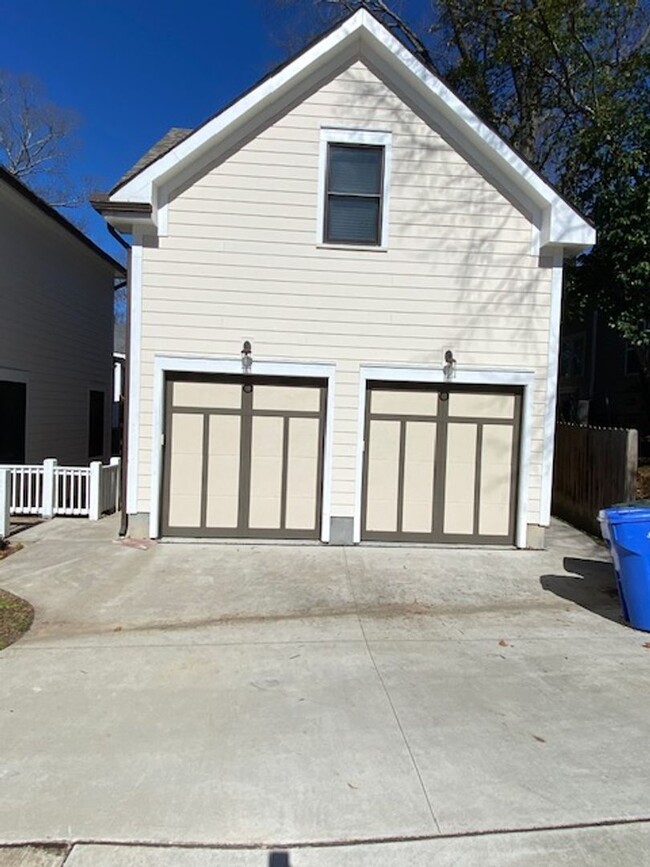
246, 356
449, 367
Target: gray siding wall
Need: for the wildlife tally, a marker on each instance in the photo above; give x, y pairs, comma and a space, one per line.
241, 261
56, 303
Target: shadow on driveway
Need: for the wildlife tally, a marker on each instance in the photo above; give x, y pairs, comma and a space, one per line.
592, 586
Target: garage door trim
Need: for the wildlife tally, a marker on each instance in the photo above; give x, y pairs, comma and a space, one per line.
441, 420
470, 376
197, 365
246, 413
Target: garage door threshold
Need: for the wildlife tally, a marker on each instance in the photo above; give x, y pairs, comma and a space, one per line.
212, 540
311, 543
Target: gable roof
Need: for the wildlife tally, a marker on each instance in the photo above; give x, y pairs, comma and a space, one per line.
361, 36
50, 212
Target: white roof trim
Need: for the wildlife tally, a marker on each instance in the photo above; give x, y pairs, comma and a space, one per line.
561, 225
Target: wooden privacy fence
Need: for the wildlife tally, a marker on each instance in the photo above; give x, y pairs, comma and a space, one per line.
47, 489
594, 468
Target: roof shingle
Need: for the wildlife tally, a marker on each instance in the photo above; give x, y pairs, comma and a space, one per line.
171, 138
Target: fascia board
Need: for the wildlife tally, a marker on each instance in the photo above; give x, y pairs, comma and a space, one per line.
565, 228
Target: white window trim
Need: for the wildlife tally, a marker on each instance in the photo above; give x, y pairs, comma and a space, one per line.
376, 138
165, 363
464, 376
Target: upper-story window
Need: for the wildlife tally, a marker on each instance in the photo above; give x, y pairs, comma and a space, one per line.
355, 171
354, 192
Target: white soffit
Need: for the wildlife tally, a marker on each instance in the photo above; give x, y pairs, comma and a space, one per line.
363, 36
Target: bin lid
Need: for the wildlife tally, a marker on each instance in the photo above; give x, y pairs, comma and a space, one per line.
621, 513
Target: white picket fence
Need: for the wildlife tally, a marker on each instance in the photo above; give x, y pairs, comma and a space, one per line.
25, 489
47, 489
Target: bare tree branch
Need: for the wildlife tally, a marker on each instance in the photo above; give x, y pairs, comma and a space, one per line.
37, 139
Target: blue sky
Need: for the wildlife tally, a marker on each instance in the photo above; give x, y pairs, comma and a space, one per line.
132, 70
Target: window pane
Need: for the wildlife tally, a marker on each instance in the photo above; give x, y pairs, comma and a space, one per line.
13, 404
353, 220
355, 170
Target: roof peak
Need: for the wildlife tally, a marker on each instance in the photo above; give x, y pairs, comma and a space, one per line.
359, 36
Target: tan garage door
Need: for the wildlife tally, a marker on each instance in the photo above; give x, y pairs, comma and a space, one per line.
243, 458
440, 464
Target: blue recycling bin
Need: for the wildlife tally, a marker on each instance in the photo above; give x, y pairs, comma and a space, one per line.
626, 529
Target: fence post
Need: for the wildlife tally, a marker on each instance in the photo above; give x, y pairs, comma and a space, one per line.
632, 464
95, 490
5, 499
117, 462
49, 487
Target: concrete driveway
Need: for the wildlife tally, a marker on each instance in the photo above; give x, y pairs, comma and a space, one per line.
448, 702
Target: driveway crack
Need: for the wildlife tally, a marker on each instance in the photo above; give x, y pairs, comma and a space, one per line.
387, 693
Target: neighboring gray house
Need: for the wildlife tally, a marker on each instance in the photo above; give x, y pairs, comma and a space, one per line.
359, 227
56, 302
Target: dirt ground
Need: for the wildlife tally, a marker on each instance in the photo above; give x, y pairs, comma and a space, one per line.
643, 483
16, 615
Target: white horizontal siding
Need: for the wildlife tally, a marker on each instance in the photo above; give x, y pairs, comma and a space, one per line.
241, 262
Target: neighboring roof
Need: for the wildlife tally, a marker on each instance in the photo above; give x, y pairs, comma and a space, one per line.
171, 138
360, 35
53, 214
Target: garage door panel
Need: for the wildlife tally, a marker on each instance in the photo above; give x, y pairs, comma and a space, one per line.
286, 398
460, 478
481, 405
267, 441
207, 395
419, 459
496, 480
186, 470
223, 471
403, 403
383, 476
302, 473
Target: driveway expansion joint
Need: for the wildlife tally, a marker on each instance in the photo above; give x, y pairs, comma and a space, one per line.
69, 845
387, 694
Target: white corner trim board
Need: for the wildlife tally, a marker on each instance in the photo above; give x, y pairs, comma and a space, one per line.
164, 364
135, 360
464, 376
551, 390
561, 225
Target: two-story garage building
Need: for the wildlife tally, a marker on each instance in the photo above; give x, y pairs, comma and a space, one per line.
344, 312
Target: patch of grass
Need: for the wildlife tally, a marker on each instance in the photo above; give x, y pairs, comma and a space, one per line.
16, 616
